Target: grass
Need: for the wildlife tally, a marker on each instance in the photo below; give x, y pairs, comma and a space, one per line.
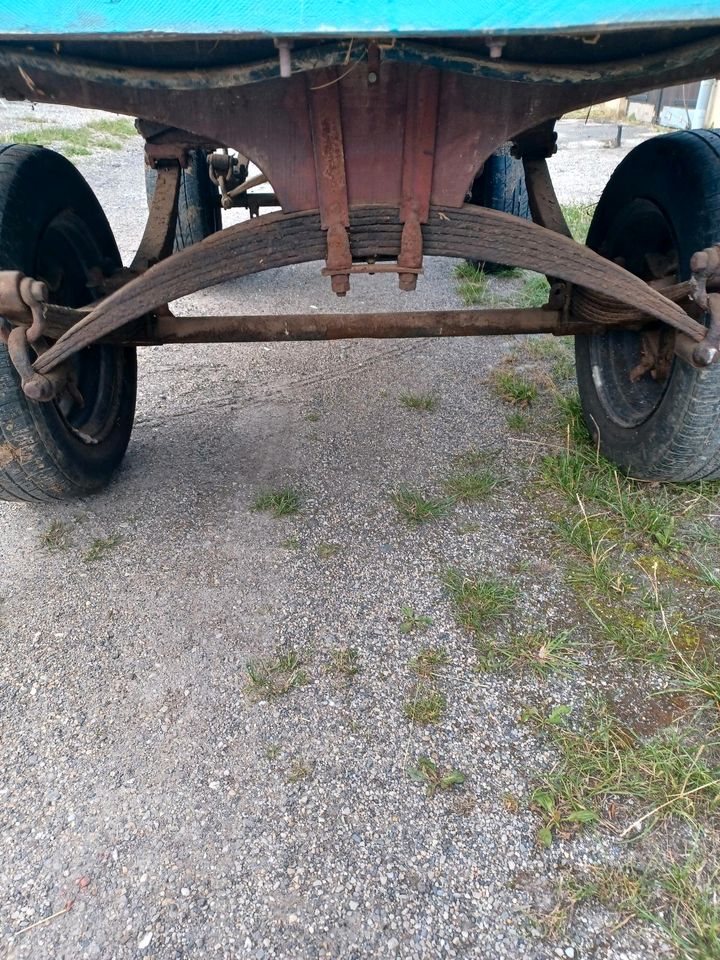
300, 770
327, 550
514, 389
412, 621
518, 421
420, 401
100, 547
417, 508
679, 899
57, 536
425, 706
540, 653
345, 662
472, 284
109, 134
291, 543
471, 484
534, 291
578, 218
281, 503
429, 661
478, 600
275, 676
312, 417
430, 775
606, 772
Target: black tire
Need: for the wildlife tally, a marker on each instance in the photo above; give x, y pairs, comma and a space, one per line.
500, 186
199, 211
662, 200
53, 228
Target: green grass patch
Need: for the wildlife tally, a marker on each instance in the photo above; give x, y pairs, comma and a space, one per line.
542, 654
513, 388
471, 484
281, 503
100, 547
109, 134
420, 401
57, 536
345, 662
275, 676
472, 284
425, 706
478, 600
417, 509
429, 661
603, 767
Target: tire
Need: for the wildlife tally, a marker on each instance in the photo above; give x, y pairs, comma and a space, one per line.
662, 200
500, 186
199, 211
53, 228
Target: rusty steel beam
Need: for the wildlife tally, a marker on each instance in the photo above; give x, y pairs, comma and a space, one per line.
167, 328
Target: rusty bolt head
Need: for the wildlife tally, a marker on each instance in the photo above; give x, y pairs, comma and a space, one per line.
699, 261
340, 283
408, 281
38, 388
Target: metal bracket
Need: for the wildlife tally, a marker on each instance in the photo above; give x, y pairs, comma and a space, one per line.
329, 153
418, 163
159, 236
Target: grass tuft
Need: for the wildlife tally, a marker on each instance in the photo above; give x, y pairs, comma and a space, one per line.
275, 676
478, 600
281, 503
417, 508
425, 706
420, 401
514, 389
471, 484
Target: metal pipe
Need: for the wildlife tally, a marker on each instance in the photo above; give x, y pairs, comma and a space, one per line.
336, 326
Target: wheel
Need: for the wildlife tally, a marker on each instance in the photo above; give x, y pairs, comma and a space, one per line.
500, 186
53, 228
199, 212
661, 205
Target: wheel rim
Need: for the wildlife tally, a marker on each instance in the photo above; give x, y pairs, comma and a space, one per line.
640, 238
66, 254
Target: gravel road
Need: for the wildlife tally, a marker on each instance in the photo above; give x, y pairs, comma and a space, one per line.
140, 782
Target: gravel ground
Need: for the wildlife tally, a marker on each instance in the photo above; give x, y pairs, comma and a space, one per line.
141, 783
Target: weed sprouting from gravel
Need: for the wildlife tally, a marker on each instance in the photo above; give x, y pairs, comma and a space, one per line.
420, 401
327, 550
416, 508
428, 773
412, 621
291, 543
605, 770
275, 676
478, 600
678, 899
472, 284
471, 484
534, 291
345, 662
300, 770
429, 661
426, 705
101, 547
518, 421
57, 536
513, 388
281, 503
541, 654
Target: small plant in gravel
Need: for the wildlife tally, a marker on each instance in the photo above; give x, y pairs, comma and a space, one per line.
100, 547
472, 284
518, 421
513, 388
272, 752
426, 705
471, 484
428, 773
417, 508
420, 401
281, 503
541, 654
327, 550
412, 621
291, 543
57, 536
478, 600
534, 291
300, 770
345, 661
275, 676
312, 417
429, 661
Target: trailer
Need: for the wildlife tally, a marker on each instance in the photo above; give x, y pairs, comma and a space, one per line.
389, 131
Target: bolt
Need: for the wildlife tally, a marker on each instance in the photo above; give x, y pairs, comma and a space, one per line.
372, 77
703, 355
496, 48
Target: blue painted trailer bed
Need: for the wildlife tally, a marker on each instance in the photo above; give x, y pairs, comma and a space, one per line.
343, 17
